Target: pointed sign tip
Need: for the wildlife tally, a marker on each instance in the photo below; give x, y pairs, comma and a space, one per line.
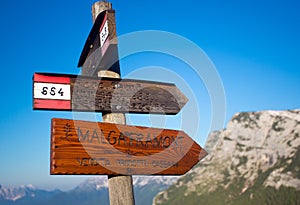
182, 100
202, 154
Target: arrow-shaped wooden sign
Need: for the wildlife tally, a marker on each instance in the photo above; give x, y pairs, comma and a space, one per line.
80, 147
92, 94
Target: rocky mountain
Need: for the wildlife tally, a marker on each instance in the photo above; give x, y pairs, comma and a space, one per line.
95, 191
24, 195
255, 160
147, 187
92, 191
14, 194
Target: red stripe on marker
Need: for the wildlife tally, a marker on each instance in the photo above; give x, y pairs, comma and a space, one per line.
103, 22
52, 104
51, 79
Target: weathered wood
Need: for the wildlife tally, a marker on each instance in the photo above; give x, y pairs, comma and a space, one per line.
93, 94
97, 55
120, 187
99, 7
80, 147
120, 190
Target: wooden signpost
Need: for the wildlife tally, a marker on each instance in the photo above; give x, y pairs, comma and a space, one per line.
107, 148
80, 147
100, 51
93, 94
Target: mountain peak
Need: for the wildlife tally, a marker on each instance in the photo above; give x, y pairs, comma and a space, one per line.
13, 194
140, 181
257, 152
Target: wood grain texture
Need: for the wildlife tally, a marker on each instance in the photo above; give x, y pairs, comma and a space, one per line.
120, 187
80, 147
121, 190
99, 7
93, 94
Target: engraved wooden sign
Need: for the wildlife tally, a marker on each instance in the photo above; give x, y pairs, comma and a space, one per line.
92, 94
80, 147
100, 51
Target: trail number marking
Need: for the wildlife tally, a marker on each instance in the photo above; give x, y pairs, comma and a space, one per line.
104, 34
52, 91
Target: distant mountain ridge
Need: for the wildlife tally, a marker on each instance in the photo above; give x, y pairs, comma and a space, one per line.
255, 160
13, 194
92, 191
24, 195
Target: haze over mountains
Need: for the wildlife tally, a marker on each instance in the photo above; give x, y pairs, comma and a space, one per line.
92, 191
254, 160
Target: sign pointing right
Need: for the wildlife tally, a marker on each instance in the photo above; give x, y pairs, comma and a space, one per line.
93, 94
81, 147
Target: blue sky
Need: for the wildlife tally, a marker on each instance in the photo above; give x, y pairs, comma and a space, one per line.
254, 46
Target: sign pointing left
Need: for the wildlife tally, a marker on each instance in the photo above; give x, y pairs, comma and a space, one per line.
92, 94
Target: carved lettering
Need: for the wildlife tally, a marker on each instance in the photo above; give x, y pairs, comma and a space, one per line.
140, 141
109, 137
167, 142
95, 136
81, 137
132, 163
92, 162
68, 130
121, 138
104, 141
177, 143
163, 164
148, 141
129, 139
157, 142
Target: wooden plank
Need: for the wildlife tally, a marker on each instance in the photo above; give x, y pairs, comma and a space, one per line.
90, 148
100, 51
93, 94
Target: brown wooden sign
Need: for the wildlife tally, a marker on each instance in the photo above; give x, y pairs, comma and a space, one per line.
80, 147
100, 51
92, 94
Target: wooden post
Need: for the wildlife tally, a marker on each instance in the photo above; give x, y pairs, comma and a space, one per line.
120, 187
